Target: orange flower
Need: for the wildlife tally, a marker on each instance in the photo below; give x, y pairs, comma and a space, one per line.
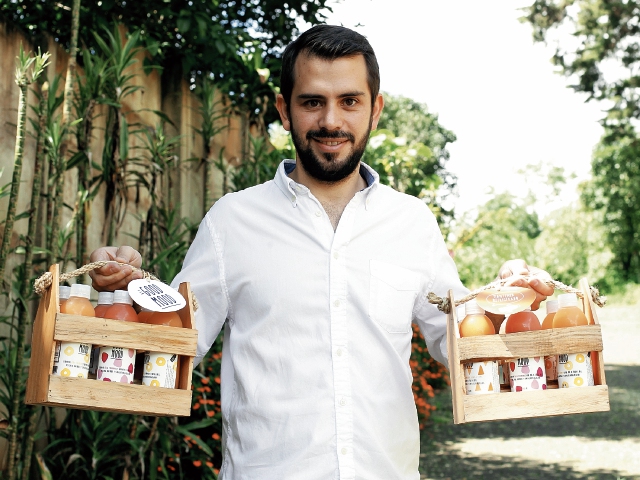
216, 436
197, 463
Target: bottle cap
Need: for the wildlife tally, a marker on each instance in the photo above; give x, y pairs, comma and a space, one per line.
122, 296
552, 306
567, 300
64, 292
80, 290
472, 308
105, 298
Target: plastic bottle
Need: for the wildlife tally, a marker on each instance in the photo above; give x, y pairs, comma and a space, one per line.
116, 364
160, 369
72, 359
144, 314
64, 293
105, 300
525, 373
574, 369
479, 377
550, 361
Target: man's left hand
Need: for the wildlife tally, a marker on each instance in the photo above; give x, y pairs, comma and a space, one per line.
516, 270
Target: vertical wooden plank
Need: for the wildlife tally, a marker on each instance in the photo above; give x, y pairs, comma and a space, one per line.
597, 360
185, 368
455, 367
42, 343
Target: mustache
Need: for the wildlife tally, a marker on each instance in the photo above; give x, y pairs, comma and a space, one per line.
334, 134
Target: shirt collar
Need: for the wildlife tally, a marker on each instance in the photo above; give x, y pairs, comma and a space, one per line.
291, 189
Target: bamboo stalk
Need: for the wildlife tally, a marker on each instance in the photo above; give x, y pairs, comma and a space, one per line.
29, 69
34, 416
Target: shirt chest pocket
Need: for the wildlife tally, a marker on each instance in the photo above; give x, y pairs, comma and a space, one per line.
392, 295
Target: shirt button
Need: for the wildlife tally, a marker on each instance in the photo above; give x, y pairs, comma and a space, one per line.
343, 402
339, 352
343, 451
336, 255
336, 303
318, 213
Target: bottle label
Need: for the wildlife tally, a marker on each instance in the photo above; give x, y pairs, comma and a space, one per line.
574, 370
116, 364
160, 369
527, 374
551, 366
481, 377
71, 359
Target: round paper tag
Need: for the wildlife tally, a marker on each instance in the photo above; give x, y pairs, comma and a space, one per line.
506, 300
155, 296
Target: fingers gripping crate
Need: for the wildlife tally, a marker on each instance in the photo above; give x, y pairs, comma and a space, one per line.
527, 404
51, 326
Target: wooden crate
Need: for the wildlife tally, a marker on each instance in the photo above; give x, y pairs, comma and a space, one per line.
51, 326
527, 404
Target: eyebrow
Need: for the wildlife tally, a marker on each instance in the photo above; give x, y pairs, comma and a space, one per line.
310, 96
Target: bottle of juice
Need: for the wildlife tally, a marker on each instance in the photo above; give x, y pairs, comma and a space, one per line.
574, 369
105, 300
143, 314
64, 293
160, 369
479, 377
116, 364
525, 373
550, 361
72, 359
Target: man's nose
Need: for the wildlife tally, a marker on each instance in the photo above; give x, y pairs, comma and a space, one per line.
331, 118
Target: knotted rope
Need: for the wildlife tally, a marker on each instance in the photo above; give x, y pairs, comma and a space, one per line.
45, 280
443, 304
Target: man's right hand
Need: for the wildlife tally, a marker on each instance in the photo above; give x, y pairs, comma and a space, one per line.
113, 276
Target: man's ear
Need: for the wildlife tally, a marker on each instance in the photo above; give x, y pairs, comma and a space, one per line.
376, 111
281, 105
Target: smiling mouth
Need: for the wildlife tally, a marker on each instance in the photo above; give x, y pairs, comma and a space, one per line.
331, 143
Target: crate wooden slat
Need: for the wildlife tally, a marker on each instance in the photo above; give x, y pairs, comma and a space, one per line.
531, 344
114, 333
560, 401
50, 326
509, 405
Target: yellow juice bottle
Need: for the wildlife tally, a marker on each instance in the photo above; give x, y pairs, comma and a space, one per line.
479, 377
574, 369
72, 359
550, 361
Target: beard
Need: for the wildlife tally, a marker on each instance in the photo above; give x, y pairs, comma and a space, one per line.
331, 170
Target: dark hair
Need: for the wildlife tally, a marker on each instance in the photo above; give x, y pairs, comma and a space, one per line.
329, 42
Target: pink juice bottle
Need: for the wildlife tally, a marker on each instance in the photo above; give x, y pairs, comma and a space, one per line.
116, 364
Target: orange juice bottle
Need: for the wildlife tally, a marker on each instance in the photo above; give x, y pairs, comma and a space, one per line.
479, 377
144, 314
72, 359
161, 369
574, 369
105, 300
169, 319
550, 361
116, 364
525, 373
64, 293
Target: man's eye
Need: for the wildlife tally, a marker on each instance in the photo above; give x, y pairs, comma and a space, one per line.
350, 102
312, 103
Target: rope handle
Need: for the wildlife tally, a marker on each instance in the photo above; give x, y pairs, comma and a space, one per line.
45, 280
444, 305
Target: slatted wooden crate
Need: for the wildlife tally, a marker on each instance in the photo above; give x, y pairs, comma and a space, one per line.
51, 326
543, 403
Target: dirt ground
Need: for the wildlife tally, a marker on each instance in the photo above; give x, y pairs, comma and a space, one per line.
587, 446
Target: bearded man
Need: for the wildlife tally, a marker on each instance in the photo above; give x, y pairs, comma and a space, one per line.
315, 277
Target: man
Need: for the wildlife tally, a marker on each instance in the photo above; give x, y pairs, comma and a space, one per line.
316, 277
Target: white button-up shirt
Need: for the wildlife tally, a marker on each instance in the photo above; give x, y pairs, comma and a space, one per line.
315, 379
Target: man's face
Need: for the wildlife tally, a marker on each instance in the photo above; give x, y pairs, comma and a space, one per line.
330, 115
